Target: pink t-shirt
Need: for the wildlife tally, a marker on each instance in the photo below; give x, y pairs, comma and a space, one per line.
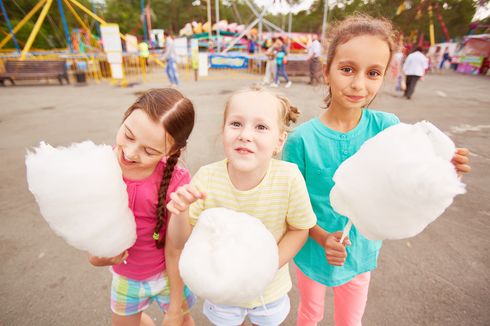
145, 259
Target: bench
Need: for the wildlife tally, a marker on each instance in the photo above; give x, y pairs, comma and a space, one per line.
298, 68
34, 69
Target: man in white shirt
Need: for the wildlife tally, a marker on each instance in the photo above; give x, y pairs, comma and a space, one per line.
314, 53
414, 67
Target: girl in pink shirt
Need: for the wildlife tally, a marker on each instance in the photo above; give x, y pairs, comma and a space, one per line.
148, 145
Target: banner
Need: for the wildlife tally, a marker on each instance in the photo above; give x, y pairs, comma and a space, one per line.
111, 41
224, 61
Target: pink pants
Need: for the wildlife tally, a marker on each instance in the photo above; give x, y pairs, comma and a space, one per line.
349, 300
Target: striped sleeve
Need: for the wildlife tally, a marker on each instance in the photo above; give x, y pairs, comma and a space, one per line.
300, 213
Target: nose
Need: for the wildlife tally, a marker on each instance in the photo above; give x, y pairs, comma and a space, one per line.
245, 134
131, 152
358, 82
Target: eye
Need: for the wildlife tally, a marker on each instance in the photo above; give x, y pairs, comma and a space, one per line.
262, 127
128, 137
149, 153
374, 73
347, 69
235, 124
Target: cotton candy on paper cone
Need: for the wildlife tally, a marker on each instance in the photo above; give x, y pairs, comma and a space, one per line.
230, 257
398, 182
82, 196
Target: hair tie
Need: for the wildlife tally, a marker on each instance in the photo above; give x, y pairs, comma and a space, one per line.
156, 236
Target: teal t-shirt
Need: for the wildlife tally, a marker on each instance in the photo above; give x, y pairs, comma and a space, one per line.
318, 151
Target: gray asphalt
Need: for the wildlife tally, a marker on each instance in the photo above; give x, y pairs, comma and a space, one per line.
441, 277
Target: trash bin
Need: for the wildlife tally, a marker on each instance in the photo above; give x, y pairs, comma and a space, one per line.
81, 72
80, 77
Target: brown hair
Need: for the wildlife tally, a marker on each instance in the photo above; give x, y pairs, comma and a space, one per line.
287, 112
358, 25
176, 113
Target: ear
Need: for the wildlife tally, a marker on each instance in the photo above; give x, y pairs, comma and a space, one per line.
281, 142
325, 73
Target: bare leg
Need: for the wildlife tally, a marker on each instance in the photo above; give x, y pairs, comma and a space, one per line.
146, 320
140, 319
188, 320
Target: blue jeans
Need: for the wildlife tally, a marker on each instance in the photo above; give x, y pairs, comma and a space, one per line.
281, 71
171, 73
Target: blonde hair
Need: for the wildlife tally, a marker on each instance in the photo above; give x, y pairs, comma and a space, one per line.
358, 25
287, 112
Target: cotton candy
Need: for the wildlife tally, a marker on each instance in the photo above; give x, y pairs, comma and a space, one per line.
398, 182
82, 196
229, 258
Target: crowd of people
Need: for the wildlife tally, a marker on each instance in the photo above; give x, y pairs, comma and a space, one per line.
289, 195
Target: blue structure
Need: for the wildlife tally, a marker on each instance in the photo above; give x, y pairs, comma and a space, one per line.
4, 12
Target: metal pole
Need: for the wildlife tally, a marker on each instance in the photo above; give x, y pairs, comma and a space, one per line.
97, 24
290, 23
4, 11
65, 26
216, 4
35, 29
210, 33
143, 17
324, 23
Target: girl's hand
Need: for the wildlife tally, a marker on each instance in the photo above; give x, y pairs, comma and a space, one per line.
334, 250
173, 318
104, 261
460, 161
182, 198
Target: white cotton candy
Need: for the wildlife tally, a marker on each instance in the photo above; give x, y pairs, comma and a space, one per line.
82, 196
398, 182
230, 257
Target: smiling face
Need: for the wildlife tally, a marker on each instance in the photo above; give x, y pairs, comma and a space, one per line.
140, 144
356, 72
252, 133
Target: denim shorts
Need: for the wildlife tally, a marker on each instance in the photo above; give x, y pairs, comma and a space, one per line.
271, 314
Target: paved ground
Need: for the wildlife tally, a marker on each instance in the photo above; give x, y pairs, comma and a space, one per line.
441, 277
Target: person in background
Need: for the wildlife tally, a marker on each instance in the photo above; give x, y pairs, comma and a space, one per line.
281, 60
270, 66
445, 57
171, 57
414, 68
144, 53
314, 53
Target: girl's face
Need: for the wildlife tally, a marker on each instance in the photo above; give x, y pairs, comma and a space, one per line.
357, 72
251, 132
140, 144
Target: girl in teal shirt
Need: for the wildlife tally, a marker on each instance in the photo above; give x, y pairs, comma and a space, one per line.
359, 52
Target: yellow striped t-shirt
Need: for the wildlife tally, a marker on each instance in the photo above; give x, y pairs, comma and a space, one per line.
281, 199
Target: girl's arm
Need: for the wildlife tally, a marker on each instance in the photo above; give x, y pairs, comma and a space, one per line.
174, 315
108, 261
179, 228
334, 251
290, 244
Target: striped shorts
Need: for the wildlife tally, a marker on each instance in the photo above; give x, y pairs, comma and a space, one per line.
129, 297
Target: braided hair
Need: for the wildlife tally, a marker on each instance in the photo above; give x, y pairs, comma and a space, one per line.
176, 113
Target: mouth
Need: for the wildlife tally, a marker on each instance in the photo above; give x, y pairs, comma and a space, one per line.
125, 160
243, 150
354, 98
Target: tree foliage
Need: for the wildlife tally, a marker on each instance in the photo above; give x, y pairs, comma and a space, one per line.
172, 15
